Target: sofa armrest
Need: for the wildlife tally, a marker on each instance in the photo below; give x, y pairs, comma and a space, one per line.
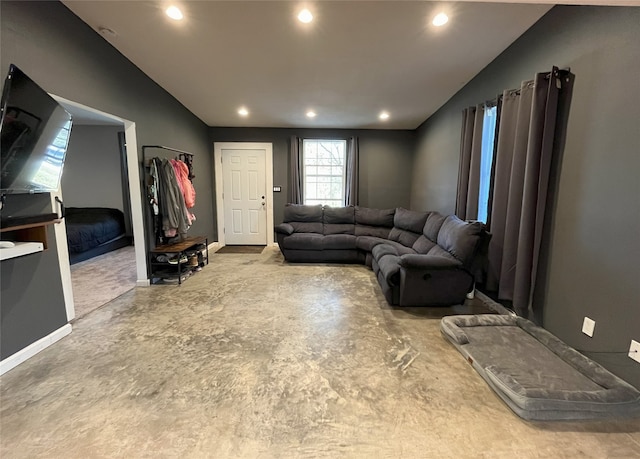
284, 228
429, 280
428, 262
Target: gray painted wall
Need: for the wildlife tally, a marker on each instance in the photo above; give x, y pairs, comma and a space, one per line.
32, 302
67, 58
593, 247
385, 161
92, 170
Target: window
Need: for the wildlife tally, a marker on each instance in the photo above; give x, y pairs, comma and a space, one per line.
324, 171
486, 160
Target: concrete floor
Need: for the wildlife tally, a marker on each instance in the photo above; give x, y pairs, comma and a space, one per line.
256, 358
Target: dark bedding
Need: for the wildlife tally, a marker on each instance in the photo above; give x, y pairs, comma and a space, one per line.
90, 227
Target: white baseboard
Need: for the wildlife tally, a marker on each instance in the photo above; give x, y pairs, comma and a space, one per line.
143, 283
214, 246
16, 359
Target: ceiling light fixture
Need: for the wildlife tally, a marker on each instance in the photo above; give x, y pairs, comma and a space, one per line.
383, 116
174, 13
305, 16
440, 19
311, 114
243, 111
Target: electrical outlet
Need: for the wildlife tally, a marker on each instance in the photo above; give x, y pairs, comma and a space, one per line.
634, 351
588, 326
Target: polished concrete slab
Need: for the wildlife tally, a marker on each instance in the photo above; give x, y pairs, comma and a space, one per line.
256, 358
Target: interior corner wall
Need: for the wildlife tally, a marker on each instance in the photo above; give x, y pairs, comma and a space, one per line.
92, 168
67, 58
385, 161
592, 249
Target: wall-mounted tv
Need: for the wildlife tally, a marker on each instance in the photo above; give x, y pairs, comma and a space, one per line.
34, 133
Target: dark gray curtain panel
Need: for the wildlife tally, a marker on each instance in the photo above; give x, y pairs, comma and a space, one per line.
524, 156
295, 172
466, 147
473, 189
505, 140
352, 183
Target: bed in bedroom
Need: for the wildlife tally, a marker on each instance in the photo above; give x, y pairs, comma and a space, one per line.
92, 231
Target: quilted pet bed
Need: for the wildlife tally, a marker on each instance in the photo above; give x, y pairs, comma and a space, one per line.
538, 376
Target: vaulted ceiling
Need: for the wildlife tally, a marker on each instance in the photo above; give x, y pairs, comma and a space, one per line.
353, 61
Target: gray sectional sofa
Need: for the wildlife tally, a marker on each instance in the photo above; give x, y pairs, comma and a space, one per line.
419, 258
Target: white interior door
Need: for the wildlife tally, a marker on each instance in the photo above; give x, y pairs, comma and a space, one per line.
244, 196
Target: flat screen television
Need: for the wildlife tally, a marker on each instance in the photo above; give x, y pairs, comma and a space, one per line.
34, 134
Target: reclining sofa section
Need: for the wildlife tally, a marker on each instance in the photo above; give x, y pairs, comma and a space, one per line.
419, 258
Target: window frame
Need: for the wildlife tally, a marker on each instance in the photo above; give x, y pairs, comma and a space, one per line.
306, 184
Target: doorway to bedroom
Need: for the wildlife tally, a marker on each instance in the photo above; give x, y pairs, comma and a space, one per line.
103, 215
98, 219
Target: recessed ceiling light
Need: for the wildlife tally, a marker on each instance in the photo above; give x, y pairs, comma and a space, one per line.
311, 114
174, 13
243, 111
305, 16
440, 19
383, 116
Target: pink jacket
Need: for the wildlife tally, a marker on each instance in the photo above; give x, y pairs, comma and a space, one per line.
182, 174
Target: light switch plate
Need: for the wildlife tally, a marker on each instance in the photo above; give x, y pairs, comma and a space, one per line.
588, 326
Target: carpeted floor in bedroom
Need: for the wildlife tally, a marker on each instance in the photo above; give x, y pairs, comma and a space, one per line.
101, 279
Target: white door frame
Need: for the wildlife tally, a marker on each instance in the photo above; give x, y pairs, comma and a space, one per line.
136, 209
217, 171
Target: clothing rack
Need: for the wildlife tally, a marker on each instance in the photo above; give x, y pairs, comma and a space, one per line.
162, 147
147, 161
184, 156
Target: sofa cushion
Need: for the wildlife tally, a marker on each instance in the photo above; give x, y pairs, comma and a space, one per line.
302, 213
339, 220
307, 227
390, 247
460, 238
284, 228
404, 237
339, 215
303, 241
433, 225
375, 231
423, 244
410, 220
338, 228
437, 251
339, 241
382, 250
367, 243
374, 217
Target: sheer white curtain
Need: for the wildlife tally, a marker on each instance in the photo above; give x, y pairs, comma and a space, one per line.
486, 160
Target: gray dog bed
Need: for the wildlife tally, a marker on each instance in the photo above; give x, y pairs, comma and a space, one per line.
536, 374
